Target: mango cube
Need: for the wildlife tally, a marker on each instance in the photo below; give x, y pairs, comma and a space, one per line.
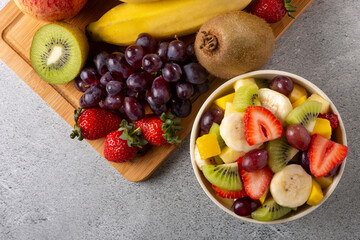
221, 102
297, 93
299, 101
322, 127
324, 181
208, 146
325, 108
263, 197
229, 109
316, 194
228, 155
242, 82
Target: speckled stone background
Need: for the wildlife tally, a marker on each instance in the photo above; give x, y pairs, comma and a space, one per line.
55, 188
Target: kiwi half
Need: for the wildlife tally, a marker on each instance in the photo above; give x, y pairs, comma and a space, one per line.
225, 176
269, 211
58, 52
280, 153
247, 95
305, 114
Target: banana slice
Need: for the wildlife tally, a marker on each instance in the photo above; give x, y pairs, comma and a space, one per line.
201, 162
277, 103
291, 187
232, 130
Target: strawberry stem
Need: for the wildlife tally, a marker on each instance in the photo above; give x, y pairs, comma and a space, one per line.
131, 135
170, 127
77, 130
288, 7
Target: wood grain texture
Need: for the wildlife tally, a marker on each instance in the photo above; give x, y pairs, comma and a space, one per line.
17, 31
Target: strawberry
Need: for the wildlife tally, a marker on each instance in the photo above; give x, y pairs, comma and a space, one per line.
325, 155
229, 194
333, 118
255, 183
122, 145
94, 123
272, 10
261, 125
159, 131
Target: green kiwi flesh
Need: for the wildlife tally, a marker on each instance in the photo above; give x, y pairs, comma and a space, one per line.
245, 96
58, 52
305, 114
270, 211
215, 128
280, 153
225, 176
262, 83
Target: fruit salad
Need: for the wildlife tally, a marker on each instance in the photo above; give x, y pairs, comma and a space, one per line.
269, 145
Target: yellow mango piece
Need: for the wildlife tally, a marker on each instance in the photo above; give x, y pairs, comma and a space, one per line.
299, 101
316, 194
228, 155
243, 82
322, 127
263, 197
324, 181
325, 108
208, 146
229, 109
297, 93
221, 102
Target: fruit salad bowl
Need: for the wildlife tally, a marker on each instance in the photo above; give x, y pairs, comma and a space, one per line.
338, 135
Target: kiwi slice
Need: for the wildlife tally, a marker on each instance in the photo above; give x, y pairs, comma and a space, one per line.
215, 128
269, 211
305, 114
280, 153
58, 52
225, 176
262, 83
218, 160
245, 96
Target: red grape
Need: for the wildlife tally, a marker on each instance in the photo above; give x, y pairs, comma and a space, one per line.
255, 160
107, 77
181, 107
162, 51
100, 62
245, 206
304, 161
134, 55
90, 76
204, 87
298, 136
190, 49
91, 97
151, 63
116, 63
184, 90
209, 117
176, 51
156, 108
133, 109
195, 73
282, 84
114, 87
160, 91
80, 85
171, 72
139, 81
113, 102
147, 42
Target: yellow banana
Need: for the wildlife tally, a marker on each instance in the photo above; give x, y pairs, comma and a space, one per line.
122, 24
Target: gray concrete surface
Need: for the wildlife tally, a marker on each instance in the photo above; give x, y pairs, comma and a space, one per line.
55, 188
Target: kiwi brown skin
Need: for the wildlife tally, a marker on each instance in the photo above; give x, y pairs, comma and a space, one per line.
234, 43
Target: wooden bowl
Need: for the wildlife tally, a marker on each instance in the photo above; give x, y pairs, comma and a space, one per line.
225, 204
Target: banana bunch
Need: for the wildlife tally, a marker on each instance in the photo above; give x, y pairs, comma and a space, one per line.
162, 19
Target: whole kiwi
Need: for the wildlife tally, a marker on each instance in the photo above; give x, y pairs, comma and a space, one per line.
234, 43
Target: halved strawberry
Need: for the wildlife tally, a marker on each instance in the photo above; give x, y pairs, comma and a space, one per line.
261, 125
255, 183
229, 194
324, 155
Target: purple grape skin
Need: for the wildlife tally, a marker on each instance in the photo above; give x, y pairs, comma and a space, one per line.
255, 160
152, 63
176, 51
245, 206
181, 107
147, 42
90, 76
114, 87
139, 81
195, 73
156, 108
113, 102
108, 77
298, 136
282, 84
160, 91
333, 171
134, 55
116, 63
190, 49
171, 72
91, 97
80, 85
209, 117
203, 88
133, 109
304, 161
162, 51
100, 62
184, 90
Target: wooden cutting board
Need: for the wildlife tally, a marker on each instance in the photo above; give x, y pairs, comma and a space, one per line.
17, 31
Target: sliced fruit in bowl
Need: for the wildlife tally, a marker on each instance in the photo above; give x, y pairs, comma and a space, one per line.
278, 160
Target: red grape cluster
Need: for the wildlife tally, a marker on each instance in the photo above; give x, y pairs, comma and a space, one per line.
163, 75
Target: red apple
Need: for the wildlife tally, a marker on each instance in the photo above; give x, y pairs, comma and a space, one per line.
51, 10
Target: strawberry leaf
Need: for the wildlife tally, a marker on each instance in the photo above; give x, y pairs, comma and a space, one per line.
131, 135
170, 127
